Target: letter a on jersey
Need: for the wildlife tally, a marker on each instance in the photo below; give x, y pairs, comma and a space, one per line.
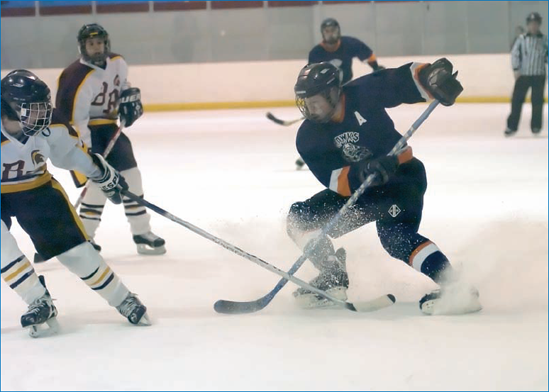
359, 118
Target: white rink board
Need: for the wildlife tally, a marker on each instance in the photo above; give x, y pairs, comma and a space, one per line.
483, 76
232, 173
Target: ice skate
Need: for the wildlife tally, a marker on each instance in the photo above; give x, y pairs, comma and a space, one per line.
134, 310
510, 132
334, 281
149, 244
299, 164
41, 311
453, 299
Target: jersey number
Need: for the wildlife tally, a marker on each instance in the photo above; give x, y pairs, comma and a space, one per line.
17, 170
102, 96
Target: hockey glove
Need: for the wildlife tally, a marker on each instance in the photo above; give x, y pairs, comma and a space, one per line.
130, 108
382, 168
438, 80
110, 182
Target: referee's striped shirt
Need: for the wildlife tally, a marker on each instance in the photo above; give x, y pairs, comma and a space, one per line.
529, 54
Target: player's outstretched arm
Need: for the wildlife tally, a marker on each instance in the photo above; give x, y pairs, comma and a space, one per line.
412, 83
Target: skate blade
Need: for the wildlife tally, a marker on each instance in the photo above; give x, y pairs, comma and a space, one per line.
314, 301
50, 327
145, 321
143, 249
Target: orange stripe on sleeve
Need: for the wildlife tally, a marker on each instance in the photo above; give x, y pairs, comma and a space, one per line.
416, 77
405, 155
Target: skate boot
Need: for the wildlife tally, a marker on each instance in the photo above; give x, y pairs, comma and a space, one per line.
510, 132
536, 131
451, 299
41, 311
134, 310
335, 281
300, 164
38, 258
149, 244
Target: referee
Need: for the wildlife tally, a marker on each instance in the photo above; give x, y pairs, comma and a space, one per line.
529, 60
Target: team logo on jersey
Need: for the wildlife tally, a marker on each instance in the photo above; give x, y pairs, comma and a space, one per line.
351, 152
336, 62
37, 158
394, 210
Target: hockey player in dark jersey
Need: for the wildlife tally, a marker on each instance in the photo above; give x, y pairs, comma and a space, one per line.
345, 138
340, 51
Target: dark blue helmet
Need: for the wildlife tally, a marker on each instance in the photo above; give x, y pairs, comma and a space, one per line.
318, 79
27, 99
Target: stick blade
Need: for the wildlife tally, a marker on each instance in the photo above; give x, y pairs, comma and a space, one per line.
232, 307
271, 117
371, 306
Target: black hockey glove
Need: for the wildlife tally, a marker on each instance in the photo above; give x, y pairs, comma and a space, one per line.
438, 79
376, 67
110, 181
382, 168
130, 108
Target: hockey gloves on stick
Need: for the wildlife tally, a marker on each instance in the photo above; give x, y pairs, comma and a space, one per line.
440, 82
382, 168
110, 182
130, 108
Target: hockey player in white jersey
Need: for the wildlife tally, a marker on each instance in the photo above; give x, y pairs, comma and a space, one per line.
93, 92
31, 133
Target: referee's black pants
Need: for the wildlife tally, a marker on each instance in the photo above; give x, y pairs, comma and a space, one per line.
522, 84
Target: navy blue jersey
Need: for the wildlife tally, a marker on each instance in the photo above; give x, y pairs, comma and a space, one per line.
332, 150
342, 57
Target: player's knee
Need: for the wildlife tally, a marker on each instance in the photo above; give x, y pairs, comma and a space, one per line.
82, 260
133, 178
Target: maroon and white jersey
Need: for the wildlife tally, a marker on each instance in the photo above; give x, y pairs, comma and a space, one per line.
89, 95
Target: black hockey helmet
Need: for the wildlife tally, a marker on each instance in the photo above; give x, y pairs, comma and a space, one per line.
320, 80
330, 22
533, 17
93, 30
27, 99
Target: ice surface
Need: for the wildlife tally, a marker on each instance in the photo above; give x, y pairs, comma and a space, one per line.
232, 173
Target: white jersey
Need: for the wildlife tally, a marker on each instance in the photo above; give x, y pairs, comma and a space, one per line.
24, 165
90, 95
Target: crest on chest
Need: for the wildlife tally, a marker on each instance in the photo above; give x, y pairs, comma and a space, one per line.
349, 149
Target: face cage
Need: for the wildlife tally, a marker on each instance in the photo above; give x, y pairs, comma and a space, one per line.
35, 117
331, 96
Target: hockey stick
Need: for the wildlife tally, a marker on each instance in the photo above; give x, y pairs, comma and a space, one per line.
106, 153
234, 307
37, 257
284, 123
366, 306
278, 121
